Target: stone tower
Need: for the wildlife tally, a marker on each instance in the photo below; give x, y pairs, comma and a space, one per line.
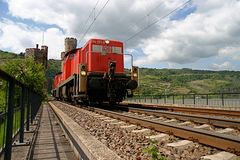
70, 44
39, 55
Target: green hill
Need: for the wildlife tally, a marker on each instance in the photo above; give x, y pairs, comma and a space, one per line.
177, 81
169, 81
4, 56
184, 81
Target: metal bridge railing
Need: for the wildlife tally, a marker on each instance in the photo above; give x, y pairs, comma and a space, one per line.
211, 99
18, 107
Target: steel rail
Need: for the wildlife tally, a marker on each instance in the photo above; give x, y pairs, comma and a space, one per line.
215, 121
226, 142
193, 110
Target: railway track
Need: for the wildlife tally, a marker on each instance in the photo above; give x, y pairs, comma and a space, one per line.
192, 110
144, 118
222, 141
202, 119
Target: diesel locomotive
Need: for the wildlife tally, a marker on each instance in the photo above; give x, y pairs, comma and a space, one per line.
94, 73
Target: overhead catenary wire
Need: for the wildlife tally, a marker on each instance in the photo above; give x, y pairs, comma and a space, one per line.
95, 18
152, 10
164, 16
149, 13
90, 14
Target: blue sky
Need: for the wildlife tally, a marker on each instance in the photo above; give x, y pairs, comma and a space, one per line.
3, 8
4, 12
184, 12
199, 36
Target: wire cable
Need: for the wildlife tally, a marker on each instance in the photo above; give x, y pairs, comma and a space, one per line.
148, 14
150, 25
95, 18
92, 11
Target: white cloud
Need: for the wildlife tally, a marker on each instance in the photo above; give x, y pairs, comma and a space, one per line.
119, 19
115, 22
209, 31
50, 12
223, 66
17, 37
202, 34
231, 51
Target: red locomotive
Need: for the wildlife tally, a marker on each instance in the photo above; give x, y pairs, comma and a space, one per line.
94, 73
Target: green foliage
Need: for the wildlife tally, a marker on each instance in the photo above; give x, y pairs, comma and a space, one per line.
54, 66
185, 81
162, 81
28, 72
2, 95
153, 151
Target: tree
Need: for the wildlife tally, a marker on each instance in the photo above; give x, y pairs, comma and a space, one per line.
28, 72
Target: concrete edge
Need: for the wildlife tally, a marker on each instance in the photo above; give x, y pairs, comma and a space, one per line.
85, 146
225, 107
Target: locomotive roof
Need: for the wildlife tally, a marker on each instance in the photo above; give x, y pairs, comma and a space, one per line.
74, 50
111, 40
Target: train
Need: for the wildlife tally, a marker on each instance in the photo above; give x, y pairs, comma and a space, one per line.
94, 73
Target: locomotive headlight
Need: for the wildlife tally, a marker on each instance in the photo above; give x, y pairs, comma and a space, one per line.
83, 73
135, 75
107, 41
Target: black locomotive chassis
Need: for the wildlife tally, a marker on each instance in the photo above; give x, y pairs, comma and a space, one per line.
99, 88
105, 89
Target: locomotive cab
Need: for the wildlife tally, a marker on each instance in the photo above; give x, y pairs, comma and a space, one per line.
106, 78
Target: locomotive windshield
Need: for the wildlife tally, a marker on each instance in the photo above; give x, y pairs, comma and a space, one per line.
104, 49
96, 48
117, 50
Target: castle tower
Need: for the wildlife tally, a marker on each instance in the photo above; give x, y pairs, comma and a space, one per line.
39, 55
44, 50
70, 44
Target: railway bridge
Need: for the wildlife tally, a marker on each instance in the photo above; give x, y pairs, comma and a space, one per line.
176, 128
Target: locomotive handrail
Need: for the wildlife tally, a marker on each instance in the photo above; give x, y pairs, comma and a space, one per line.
127, 54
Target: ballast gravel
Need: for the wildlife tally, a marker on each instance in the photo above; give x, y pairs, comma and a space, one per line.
128, 145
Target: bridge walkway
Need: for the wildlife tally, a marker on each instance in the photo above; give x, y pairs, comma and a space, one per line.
50, 141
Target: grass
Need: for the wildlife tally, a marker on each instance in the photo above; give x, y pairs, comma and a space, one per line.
16, 125
2, 134
153, 152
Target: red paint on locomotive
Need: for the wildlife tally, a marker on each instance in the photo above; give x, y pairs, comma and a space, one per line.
101, 52
57, 80
95, 72
66, 68
73, 62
